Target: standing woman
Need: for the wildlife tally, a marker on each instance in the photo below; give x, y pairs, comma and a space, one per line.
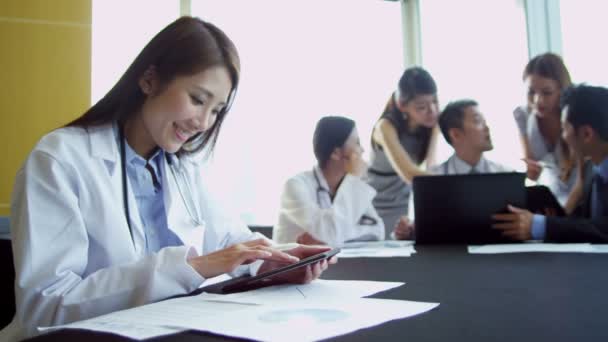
110, 212
402, 140
548, 158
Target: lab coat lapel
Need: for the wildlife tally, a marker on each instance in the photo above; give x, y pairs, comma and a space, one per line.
104, 145
354, 189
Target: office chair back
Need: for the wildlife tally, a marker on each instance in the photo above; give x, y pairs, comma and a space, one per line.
7, 274
7, 285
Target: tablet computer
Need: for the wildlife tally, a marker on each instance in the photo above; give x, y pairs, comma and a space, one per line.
248, 282
458, 208
539, 198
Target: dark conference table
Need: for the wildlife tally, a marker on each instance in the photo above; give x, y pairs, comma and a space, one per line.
502, 297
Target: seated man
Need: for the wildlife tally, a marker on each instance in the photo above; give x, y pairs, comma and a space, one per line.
330, 204
585, 129
464, 128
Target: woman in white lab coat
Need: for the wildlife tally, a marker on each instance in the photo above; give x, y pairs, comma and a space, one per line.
110, 212
330, 204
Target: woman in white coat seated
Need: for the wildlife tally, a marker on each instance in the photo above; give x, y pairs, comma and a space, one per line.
110, 212
330, 204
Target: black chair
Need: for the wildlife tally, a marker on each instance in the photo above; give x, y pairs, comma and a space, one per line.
7, 285
265, 230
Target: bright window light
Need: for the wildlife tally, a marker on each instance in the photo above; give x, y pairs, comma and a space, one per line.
121, 29
478, 49
583, 33
300, 61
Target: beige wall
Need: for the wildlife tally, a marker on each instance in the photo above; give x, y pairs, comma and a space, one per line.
46, 75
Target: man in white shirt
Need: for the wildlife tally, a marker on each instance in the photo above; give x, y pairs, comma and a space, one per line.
464, 127
330, 204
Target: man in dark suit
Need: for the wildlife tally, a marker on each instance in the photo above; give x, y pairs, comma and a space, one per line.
585, 129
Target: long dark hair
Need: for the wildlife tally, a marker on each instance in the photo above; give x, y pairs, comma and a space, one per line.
414, 81
185, 47
330, 133
551, 66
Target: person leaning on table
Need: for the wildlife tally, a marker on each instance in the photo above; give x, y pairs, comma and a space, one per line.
403, 143
110, 211
548, 158
585, 123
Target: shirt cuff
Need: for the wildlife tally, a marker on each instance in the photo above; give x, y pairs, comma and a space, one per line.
175, 261
538, 230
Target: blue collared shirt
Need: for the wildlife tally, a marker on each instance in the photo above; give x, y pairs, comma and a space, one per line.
148, 191
539, 222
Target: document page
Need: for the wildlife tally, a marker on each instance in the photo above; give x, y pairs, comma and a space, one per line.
310, 321
532, 247
599, 248
168, 317
377, 249
154, 319
318, 290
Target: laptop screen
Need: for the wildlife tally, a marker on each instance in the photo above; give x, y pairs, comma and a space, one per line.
458, 208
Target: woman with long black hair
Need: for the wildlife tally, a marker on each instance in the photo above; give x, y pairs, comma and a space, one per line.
111, 212
403, 139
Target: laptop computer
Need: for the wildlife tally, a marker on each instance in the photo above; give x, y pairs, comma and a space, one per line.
458, 208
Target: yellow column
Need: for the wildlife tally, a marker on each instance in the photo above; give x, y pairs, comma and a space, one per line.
45, 76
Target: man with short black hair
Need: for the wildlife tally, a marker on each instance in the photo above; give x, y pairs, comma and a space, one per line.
464, 127
585, 129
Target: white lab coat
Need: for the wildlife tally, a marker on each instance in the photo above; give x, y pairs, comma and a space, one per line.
74, 257
303, 209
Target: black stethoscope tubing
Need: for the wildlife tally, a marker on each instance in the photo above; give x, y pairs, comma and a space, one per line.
320, 189
125, 194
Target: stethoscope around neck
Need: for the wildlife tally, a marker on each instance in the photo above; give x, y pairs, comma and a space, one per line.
364, 220
320, 188
190, 205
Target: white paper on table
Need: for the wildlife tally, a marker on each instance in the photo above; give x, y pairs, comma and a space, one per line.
531, 247
599, 248
307, 321
377, 249
318, 290
136, 331
155, 319
161, 318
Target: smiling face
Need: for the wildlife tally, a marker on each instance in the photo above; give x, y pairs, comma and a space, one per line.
173, 114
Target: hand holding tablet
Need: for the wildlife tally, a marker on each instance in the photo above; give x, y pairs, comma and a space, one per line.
313, 261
